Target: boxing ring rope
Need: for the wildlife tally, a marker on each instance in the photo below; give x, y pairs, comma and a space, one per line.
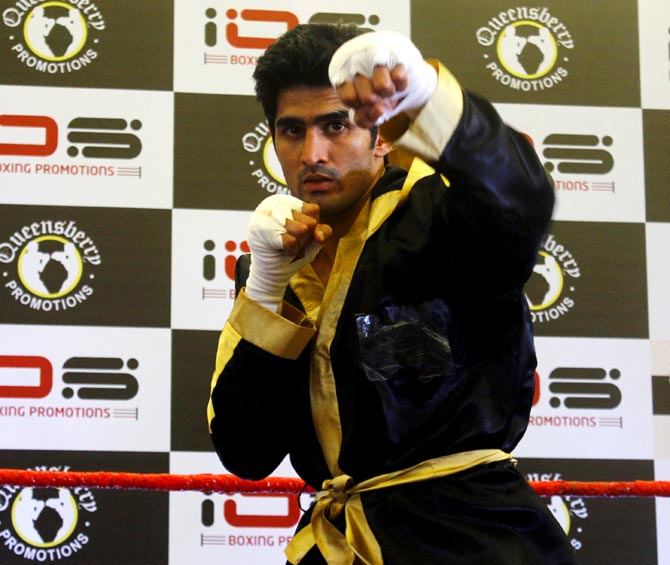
229, 484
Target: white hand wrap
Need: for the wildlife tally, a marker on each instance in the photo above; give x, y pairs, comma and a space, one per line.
361, 54
271, 268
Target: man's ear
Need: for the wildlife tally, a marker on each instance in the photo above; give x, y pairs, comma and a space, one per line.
382, 147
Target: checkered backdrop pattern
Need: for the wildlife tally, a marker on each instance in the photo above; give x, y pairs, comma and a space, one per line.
131, 154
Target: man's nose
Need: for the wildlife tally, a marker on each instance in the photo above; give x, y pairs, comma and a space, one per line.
314, 147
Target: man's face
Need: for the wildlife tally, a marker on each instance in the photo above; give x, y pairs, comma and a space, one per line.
325, 157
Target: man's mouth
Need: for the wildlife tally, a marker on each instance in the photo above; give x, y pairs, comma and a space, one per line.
317, 182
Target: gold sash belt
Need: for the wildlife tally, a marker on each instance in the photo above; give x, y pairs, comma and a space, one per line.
358, 544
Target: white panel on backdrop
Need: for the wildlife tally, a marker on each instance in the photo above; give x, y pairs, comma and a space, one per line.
85, 147
595, 156
205, 246
593, 400
654, 21
658, 277
208, 528
85, 388
217, 44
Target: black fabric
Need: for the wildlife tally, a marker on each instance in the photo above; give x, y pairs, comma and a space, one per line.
242, 267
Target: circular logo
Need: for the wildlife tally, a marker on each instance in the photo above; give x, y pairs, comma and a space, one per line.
546, 284
561, 512
527, 50
265, 168
50, 266
44, 517
55, 31
271, 161
572, 514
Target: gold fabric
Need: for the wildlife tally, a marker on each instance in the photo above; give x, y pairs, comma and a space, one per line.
358, 546
428, 133
285, 336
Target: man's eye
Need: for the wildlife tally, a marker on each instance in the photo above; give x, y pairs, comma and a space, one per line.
291, 131
336, 126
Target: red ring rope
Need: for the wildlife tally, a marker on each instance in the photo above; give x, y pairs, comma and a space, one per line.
229, 484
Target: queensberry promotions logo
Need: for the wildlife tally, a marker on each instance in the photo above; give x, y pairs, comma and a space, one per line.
551, 287
44, 524
571, 512
54, 37
263, 162
49, 265
526, 48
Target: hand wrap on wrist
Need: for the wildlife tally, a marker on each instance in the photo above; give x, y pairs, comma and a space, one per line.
271, 268
361, 54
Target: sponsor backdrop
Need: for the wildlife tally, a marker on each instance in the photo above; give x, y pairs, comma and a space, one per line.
131, 154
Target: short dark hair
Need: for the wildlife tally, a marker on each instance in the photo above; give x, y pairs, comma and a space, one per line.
300, 57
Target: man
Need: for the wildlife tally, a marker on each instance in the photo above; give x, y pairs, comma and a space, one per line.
383, 339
